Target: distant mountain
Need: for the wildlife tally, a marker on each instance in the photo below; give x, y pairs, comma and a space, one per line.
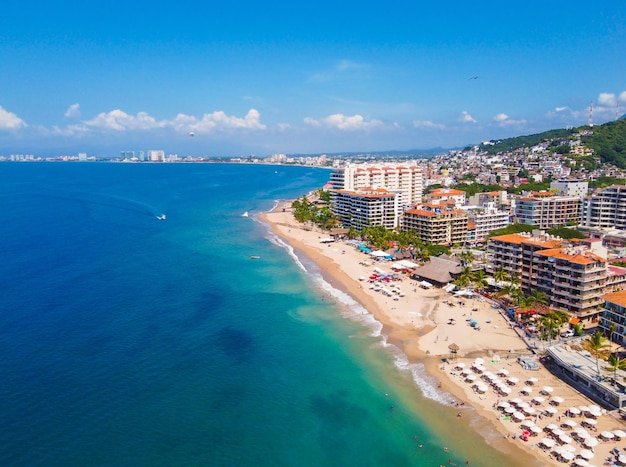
609, 142
510, 144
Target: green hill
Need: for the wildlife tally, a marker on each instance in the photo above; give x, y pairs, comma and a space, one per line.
509, 144
609, 142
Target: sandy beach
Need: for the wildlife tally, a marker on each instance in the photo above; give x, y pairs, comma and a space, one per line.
423, 323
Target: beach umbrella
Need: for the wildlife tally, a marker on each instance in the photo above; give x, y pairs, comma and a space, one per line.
590, 442
504, 390
583, 435
551, 410
568, 456
510, 410
574, 410
583, 408
589, 421
568, 448
512, 380
594, 413
527, 423
531, 380
515, 401
569, 423
565, 439
480, 387
594, 407
586, 454
460, 365
619, 434
488, 375
517, 415
547, 442
547, 389
538, 400
581, 462
465, 372
621, 459
558, 432
503, 404
526, 390
607, 435
503, 372
470, 378
535, 429
528, 410
552, 427
478, 361
557, 399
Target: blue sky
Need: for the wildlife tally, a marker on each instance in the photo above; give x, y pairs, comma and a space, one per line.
302, 77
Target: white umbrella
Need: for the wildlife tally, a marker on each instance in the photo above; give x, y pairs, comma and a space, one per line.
503, 404
479, 361
528, 410
590, 442
488, 375
526, 390
510, 410
594, 407
558, 432
504, 390
581, 462
583, 434
557, 399
532, 380
595, 413
517, 415
538, 399
503, 372
589, 421
547, 442
568, 456
552, 427
512, 380
459, 365
574, 410
470, 378
583, 408
551, 410
569, 423
535, 429
481, 387
621, 459
586, 454
515, 400
547, 389
465, 372
619, 434
607, 434
527, 423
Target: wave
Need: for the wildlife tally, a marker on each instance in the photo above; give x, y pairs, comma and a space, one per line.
354, 311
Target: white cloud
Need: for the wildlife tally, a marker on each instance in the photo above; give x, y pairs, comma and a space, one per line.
10, 121
622, 96
607, 99
284, 126
73, 111
504, 120
428, 124
119, 120
561, 109
466, 117
344, 65
219, 120
345, 122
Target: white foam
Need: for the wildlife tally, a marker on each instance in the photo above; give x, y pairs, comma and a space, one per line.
354, 311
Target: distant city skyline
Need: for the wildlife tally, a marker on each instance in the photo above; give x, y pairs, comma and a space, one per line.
251, 78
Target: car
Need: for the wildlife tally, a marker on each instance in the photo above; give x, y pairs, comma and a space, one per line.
568, 333
528, 363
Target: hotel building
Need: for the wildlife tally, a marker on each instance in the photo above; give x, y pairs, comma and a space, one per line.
366, 207
614, 312
436, 224
545, 210
605, 209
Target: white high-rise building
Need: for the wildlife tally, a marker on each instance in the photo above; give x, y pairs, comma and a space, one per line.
402, 178
156, 155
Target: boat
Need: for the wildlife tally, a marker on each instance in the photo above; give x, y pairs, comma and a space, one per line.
161, 217
255, 257
245, 214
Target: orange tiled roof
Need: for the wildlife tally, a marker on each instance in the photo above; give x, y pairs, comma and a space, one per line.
619, 298
577, 258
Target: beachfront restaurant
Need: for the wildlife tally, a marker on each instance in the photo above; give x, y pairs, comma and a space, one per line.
579, 370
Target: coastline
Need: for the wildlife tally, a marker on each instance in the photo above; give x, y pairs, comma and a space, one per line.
418, 324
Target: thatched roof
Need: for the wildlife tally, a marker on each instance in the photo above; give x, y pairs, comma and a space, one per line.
440, 270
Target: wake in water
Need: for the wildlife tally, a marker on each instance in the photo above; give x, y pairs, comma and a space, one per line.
354, 311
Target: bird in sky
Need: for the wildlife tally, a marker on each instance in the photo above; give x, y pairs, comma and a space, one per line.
473, 77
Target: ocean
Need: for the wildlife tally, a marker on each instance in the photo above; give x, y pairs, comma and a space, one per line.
129, 340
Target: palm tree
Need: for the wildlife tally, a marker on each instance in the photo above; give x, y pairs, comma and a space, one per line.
615, 363
539, 297
465, 277
500, 274
612, 329
467, 257
596, 344
480, 279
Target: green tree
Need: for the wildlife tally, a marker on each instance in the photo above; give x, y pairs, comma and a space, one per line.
596, 344
500, 274
615, 363
479, 278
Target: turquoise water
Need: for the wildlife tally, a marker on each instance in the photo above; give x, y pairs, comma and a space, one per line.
126, 340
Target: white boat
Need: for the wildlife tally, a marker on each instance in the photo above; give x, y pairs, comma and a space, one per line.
162, 217
245, 214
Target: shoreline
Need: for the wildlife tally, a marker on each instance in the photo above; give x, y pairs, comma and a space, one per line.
418, 324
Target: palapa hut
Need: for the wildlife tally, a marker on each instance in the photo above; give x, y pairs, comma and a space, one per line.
439, 271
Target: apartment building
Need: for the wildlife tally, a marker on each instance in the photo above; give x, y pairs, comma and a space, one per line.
447, 195
367, 207
605, 209
436, 224
571, 187
574, 277
486, 219
405, 179
545, 210
614, 312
